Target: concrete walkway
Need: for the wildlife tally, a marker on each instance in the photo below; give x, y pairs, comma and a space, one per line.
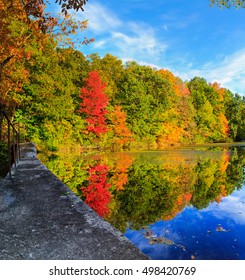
41, 219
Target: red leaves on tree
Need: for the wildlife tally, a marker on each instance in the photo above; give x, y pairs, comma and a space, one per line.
94, 102
97, 194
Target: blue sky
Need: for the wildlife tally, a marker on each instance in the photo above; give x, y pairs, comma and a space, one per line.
188, 37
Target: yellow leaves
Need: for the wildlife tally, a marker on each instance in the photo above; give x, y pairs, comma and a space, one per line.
25, 73
119, 180
183, 199
28, 55
66, 26
222, 194
166, 74
83, 24
171, 134
219, 90
120, 176
119, 126
225, 125
178, 86
224, 163
67, 16
15, 35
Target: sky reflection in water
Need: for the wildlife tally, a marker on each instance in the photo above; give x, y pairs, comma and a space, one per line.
181, 204
216, 232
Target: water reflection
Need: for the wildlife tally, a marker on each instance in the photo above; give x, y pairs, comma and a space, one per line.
179, 204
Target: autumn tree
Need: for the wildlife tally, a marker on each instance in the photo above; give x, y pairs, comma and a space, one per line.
144, 96
234, 112
119, 171
96, 194
208, 100
178, 118
47, 109
110, 69
117, 125
24, 25
94, 102
15, 36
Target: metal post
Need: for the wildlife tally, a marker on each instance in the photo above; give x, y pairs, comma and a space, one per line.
1, 119
17, 146
18, 140
14, 151
1, 123
9, 151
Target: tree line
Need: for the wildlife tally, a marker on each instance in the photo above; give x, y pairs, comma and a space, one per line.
99, 102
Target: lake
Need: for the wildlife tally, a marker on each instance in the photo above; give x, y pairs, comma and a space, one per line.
178, 204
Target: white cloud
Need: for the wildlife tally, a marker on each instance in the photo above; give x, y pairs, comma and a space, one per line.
229, 72
139, 41
232, 207
142, 43
177, 20
122, 38
101, 19
99, 44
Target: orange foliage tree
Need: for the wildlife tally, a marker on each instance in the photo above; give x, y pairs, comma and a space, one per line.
24, 27
15, 36
118, 127
120, 171
220, 109
177, 118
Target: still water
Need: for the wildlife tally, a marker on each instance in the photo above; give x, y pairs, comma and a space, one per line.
174, 205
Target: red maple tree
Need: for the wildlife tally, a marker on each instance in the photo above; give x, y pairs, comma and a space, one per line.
94, 102
97, 194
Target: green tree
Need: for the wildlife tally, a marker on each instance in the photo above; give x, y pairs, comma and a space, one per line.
75, 68
234, 111
111, 70
147, 196
48, 110
144, 95
208, 102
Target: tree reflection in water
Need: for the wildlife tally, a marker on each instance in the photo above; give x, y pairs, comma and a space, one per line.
136, 191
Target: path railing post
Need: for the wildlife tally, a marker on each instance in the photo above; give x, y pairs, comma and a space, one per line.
9, 151
14, 150
18, 141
